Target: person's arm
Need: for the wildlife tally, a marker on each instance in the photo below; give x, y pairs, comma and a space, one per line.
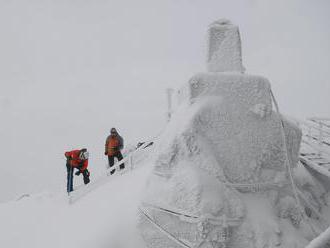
84, 165
121, 143
68, 155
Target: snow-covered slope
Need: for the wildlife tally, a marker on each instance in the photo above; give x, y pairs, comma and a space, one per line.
105, 217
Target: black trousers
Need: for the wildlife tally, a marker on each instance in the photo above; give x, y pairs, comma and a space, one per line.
111, 159
86, 174
69, 182
69, 185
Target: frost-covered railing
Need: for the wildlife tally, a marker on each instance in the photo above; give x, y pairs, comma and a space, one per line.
221, 224
315, 166
316, 144
316, 134
131, 161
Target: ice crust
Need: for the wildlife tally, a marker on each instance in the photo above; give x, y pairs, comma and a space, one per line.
242, 127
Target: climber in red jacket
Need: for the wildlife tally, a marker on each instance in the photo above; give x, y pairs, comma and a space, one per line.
77, 159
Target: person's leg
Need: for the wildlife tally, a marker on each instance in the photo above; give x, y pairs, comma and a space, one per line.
111, 163
86, 175
120, 157
110, 159
69, 185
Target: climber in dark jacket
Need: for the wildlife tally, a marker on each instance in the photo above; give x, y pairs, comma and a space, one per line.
113, 146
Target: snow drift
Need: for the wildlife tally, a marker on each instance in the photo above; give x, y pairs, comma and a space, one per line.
97, 220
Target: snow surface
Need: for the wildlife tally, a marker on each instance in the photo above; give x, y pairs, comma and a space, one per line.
320, 241
98, 220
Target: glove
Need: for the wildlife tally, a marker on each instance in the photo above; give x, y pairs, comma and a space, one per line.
105, 153
78, 173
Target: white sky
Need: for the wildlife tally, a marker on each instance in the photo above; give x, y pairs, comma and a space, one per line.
70, 70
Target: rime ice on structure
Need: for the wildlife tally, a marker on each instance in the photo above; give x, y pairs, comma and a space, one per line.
224, 48
221, 162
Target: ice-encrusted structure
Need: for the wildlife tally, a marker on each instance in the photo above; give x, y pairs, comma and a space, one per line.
222, 174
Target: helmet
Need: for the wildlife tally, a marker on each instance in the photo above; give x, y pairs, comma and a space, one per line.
113, 130
84, 154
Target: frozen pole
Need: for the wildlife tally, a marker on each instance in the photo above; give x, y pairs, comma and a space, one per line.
169, 93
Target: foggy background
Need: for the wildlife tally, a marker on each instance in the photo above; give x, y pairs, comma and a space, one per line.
71, 70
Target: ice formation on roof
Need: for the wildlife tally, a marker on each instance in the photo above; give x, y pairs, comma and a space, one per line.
224, 47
